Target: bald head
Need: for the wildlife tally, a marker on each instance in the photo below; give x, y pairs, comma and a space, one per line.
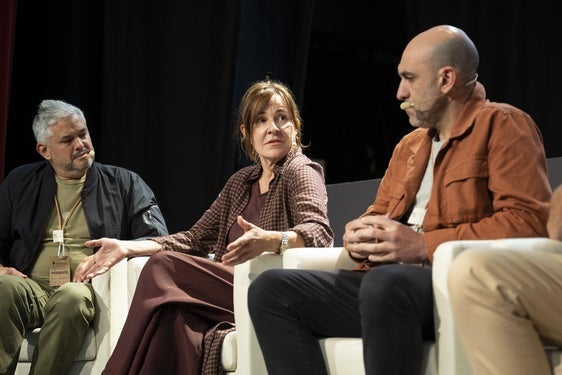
554, 224
445, 45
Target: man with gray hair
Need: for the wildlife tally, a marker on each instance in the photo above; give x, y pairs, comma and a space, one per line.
48, 210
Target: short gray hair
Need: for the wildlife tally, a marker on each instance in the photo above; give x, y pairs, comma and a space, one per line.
49, 113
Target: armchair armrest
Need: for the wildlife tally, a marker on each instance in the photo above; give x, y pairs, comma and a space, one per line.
531, 243
133, 270
111, 311
119, 305
450, 353
248, 353
318, 258
113, 297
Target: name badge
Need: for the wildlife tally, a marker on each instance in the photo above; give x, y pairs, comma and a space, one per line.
417, 216
58, 236
59, 270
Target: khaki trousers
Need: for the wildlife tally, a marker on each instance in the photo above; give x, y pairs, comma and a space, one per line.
507, 304
63, 314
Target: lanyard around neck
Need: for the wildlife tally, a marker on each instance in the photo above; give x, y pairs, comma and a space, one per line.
62, 223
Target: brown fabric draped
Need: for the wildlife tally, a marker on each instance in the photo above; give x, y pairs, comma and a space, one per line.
179, 298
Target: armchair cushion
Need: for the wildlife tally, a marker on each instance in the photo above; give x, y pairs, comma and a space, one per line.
87, 351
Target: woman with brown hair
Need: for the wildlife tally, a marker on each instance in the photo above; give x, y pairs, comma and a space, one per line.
279, 202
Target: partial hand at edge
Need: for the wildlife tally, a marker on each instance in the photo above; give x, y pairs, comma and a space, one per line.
110, 252
11, 271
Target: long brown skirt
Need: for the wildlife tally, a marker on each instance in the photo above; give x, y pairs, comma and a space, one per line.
178, 298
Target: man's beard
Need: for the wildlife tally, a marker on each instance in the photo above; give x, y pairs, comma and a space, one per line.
75, 168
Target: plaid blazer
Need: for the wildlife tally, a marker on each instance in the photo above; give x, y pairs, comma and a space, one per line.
297, 201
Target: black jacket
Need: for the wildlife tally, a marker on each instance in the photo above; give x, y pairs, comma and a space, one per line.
117, 204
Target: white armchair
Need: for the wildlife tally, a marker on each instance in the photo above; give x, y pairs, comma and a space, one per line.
451, 354
343, 355
240, 352
445, 356
111, 311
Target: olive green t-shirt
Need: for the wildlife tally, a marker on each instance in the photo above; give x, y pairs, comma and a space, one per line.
75, 231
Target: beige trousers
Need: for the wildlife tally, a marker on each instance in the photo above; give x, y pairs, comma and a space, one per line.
507, 305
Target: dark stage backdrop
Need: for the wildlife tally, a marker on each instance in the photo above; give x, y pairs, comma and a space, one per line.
7, 28
159, 82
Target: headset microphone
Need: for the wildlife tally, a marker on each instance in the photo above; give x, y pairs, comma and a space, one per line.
92, 153
405, 105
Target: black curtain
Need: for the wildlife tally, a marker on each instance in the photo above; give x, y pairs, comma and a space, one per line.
159, 82
7, 30
352, 115
519, 54
167, 73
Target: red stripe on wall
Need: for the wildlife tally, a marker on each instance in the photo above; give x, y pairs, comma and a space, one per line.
7, 32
